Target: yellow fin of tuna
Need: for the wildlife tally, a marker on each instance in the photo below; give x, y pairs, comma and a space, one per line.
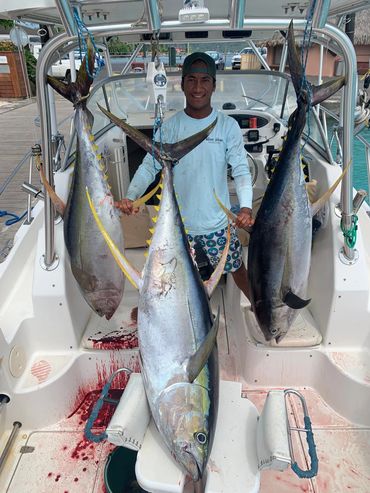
130, 272
145, 198
212, 282
316, 206
57, 201
242, 233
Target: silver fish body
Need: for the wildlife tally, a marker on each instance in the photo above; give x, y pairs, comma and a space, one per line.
95, 270
176, 330
99, 277
279, 254
173, 320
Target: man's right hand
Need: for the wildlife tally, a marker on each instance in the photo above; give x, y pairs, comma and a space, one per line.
127, 207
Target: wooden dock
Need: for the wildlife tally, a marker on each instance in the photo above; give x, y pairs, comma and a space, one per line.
20, 130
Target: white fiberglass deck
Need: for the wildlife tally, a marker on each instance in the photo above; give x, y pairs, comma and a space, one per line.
59, 459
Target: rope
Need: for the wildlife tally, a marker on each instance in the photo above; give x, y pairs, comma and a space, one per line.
14, 218
83, 31
350, 235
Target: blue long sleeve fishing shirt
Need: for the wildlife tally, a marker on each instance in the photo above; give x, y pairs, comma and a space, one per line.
202, 171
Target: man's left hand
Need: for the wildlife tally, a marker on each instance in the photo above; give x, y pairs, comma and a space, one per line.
244, 218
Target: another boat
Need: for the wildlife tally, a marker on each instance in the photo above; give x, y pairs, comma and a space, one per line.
57, 356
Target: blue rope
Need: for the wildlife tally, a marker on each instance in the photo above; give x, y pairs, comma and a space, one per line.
82, 31
14, 218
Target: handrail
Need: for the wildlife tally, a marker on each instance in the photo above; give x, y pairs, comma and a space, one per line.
349, 98
9, 443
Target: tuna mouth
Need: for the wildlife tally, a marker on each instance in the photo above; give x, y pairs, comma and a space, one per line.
194, 470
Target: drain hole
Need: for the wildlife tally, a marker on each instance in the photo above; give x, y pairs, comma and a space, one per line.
4, 399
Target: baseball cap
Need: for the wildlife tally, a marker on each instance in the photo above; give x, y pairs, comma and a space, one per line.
209, 69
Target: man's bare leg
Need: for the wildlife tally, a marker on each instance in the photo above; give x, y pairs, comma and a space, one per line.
241, 279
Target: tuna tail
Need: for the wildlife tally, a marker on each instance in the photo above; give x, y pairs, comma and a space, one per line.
164, 152
79, 90
318, 93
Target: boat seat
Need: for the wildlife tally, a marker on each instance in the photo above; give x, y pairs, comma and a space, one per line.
233, 464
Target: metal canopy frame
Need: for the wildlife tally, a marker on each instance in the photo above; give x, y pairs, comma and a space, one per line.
332, 32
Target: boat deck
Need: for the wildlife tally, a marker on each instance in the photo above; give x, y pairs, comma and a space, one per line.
59, 458
19, 132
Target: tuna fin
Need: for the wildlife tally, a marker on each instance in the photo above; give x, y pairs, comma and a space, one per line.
170, 152
196, 362
146, 197
319, 93
211, 284
242, 233
130, 272
294, 301
324, 91
79, 89
295, 65
316, 206
61, 88
57, 201
84, 80
180, 149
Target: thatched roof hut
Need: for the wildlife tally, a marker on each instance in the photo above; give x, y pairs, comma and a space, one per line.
361, 34
362, 31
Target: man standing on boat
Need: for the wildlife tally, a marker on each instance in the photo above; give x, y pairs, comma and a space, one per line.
203, 171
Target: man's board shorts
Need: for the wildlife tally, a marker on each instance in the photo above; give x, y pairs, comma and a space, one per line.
213, 245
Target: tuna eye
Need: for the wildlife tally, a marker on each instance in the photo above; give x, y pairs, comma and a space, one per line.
201, 437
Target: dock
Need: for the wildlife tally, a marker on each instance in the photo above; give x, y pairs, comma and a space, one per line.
20, 130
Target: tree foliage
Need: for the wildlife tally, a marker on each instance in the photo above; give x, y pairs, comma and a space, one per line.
7, 46
117, 47
7, 24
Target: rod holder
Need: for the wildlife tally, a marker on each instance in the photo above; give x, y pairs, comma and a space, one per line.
33, 191
358, 200
237, 10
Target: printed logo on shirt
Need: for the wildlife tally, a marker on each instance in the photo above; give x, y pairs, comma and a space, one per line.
213, 140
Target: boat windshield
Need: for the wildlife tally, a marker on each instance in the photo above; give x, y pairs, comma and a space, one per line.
132, 98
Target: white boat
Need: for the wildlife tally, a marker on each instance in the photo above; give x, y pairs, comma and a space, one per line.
56, 354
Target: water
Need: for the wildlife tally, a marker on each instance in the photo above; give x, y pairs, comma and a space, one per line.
359, 165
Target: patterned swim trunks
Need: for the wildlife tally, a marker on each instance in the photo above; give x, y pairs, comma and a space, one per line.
213, 245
